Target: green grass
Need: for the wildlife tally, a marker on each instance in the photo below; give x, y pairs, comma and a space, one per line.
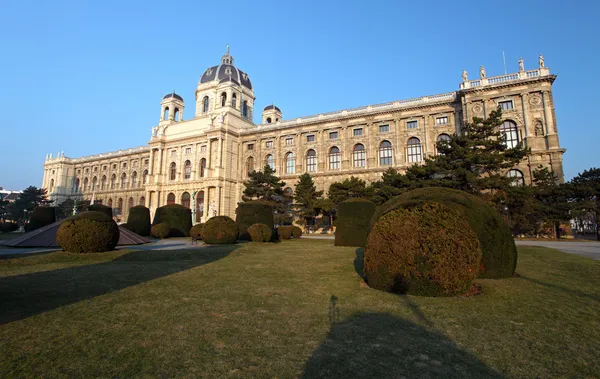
292, 309
9, 236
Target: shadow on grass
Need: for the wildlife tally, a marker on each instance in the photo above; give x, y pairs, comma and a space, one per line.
29, 294
560, 288
373, 345
359, 262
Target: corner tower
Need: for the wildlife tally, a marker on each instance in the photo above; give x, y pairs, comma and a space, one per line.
271, 114
171, 108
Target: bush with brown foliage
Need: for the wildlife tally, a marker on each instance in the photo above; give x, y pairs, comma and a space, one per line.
196, 231
160, 230
285, 232
220, 230
352, 224
253, 212
296, 231
260, 233
88, 232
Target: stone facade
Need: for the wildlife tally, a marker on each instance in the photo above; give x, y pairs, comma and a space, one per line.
202, 162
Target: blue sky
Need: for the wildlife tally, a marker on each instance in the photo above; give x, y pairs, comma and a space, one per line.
86, 77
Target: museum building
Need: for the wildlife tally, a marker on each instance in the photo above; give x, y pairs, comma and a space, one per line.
202, 162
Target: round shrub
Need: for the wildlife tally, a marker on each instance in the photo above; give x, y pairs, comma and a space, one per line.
41, 216
253, 212
352, 224
100, 208
178, 216
139, 220
499, 253
196, 231
426, 249
260, 233
160, 230
285, 232
7, 227
296, 231
88, 232
220, 230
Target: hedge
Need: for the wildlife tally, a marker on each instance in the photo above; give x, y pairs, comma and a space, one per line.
253, 212
352, 224
220, 230
497, 244
100, 208
160, 230
88, 232
426, 249
40, 217
285, 232
139, 220
196, 231
177, 216
7, 227
260, 233
296, 231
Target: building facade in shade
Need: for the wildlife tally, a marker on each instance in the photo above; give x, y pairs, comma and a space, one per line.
202, 162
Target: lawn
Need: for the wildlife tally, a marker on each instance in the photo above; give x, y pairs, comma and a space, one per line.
293, 309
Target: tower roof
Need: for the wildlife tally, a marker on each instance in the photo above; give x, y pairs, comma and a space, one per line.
225, 72
173, 95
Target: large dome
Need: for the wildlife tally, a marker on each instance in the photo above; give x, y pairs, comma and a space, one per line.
226, 71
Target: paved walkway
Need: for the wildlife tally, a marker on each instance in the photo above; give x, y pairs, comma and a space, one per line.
590, 249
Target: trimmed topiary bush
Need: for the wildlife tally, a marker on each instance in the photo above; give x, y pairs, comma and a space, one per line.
426, 249
499, 253
220, 230
285, 232
160, 230
7, 227
88, 232
260, 233
178, 216
139, 220
296, 231
41, 216
100, 208
196, 231
352, 224
253, 212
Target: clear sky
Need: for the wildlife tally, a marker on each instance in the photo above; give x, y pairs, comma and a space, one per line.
86, 77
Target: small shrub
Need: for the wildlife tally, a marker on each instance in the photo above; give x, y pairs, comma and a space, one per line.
220, 230
7, 227
139, 220
160, 230
100, 208
260, 233
285, 232
427, 249
88, 232
196, 231
296, 231
253, 212
352, 223
40, 217
178, 216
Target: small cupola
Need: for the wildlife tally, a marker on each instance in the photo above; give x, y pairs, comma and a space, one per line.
271, 114
171, 108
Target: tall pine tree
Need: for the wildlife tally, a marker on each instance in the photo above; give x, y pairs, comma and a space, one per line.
264, 185
306, 198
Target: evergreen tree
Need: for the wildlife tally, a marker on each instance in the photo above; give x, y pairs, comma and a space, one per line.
392, 184
306, 197
30, 198
586, 195
65, 209
264, 185
349, 188
553, 199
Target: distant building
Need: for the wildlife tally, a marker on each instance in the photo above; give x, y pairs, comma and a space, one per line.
10, 196
202, 162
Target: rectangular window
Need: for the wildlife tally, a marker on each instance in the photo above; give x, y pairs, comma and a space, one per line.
203, 149
289, 141
269, 144
384, 128
333, 135
506, 105
173, 153
188, 150
357, 132
310, 138
103, 168
146, 161
412, 124
114, 167
124, 166
250, 146
441, 120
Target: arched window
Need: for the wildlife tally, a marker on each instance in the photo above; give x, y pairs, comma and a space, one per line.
223, 99
311, 160
199, 206
123, 180
234, 100
171, 198
442, 139
76, 184
142, 201
120, 205
130, 203
51, 184
268, 120
134, 179
270, 161
385, 153
172, 171
145, 177
103, 182
290, 163
334, 158
509, 130
109, 202
94, 183
289, 191
113, 181
517, 178
205, 104
188, 169
359, 155
202, 167
176, 116
166, 114
413, 150
245, 108
185, 199
249, 165
85, 184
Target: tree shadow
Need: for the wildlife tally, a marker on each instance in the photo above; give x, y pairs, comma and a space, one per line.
375, 345
26, 295
359, 262
560, 288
